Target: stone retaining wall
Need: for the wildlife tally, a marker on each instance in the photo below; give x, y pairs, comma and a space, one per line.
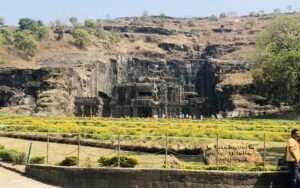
153, 178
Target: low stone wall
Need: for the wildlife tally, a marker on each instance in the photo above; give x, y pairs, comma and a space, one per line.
153, 178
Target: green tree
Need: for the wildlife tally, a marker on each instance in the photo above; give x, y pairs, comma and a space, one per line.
37, 28
145, 13
277, 69
27, 24
82, 38
74, 21
58, 28
42, 32
253, 14
213, 18
25, 43
276, 11
90, 23
2, 21
223, 15
6, 37
162, 15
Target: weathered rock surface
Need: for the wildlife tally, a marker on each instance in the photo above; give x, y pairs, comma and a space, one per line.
234, 153
46, 91
140, 29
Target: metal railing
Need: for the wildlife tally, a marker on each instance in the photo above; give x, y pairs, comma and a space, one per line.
151, 151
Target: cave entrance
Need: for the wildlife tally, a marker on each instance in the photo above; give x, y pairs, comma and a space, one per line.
145, 112
2, 103
5, 99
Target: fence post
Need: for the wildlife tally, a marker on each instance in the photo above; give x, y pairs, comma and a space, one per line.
78, 150
217, 151
119, 150
264, 154
29, 153
166, 148
47, 148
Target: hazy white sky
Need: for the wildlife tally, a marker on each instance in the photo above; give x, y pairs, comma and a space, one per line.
48, 10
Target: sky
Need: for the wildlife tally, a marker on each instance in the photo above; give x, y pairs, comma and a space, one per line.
47, 10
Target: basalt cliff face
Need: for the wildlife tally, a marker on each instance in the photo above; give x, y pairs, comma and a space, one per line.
159, 66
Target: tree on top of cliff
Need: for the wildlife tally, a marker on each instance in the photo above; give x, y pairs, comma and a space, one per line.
74, 21
2, 21
82, 38
25, 43
90, 23
35, 27
277, 69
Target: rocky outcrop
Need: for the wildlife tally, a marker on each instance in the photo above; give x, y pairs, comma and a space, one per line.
52, 91
217, 50
140, 29
172, 46
46, 91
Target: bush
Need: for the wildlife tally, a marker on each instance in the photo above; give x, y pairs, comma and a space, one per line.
69, 161
90, 23
74, 21
20, 158
58, 28
42, 32
27, 24
25, 43
12, 156
37, 160
213, 18
6, 37
1, 147
101, 34
125, 162
223, 15
82, 38
2, 21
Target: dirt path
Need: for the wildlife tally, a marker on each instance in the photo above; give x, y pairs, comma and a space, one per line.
9, 179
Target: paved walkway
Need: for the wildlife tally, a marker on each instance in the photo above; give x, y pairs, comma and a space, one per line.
9, 179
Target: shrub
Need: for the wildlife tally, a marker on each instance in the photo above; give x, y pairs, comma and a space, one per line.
213, 18
82, 38
25, 43
6, 37
12, 156
20, 158
90, 23
223, 15
37, 160
27, 24
69, 161
2, 21
74, 21
42, 32
1, 147
125, 162
101, 34
58, 28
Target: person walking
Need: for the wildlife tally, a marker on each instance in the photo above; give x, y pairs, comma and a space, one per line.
293, 157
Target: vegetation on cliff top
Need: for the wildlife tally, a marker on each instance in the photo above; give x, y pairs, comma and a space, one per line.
277, 69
